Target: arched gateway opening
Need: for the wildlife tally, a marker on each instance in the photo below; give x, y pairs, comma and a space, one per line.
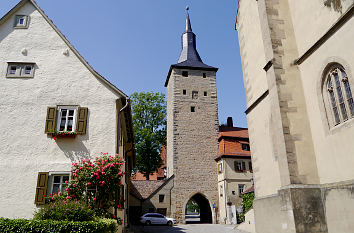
198, 210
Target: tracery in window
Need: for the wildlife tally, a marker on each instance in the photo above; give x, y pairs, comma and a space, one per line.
339, 95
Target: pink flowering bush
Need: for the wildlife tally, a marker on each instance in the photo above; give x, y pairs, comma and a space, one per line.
97, 182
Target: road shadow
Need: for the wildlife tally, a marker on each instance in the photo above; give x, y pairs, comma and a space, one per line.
157, 229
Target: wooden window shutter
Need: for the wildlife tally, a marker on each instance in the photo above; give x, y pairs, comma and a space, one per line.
243, 166
250, 166
50, 120
235, 164
41, 190
81, 121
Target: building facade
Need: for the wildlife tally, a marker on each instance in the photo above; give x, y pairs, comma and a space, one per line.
298, 64
150, 196
234, 170
46, 86
192, 127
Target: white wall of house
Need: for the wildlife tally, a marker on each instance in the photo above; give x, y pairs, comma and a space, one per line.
58, 80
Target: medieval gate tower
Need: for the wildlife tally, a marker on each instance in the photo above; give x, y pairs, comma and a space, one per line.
192, 128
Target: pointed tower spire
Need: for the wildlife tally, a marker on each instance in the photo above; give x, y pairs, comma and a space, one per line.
189, 58
188, 22
189, 48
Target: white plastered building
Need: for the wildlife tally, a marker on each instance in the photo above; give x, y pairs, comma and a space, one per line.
46, 86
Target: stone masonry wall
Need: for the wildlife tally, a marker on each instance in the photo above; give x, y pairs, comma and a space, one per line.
194, 142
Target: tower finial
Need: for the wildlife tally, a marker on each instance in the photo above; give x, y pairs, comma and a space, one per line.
188, 22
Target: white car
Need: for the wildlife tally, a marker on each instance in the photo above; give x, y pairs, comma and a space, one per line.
155, 218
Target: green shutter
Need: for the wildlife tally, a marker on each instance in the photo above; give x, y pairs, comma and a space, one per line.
81, 121
50, 120
243, 166
41, 189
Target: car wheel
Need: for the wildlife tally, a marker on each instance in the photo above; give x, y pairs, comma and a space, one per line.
169, 223
148, 223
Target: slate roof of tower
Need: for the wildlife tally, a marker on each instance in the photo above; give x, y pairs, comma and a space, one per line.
189, 57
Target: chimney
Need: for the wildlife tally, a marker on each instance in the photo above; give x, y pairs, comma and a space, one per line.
229, 122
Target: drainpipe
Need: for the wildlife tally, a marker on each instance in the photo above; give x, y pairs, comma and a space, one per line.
127, 101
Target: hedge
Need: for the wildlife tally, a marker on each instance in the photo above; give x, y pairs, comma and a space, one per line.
50, 226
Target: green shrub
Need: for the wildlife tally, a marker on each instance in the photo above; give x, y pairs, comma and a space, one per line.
247, 201
50, 226
69, 210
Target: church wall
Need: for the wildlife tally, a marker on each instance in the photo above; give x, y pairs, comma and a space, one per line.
305, 150
253, 59
266, 173
339, 205
252, 51
333, 145
311, 19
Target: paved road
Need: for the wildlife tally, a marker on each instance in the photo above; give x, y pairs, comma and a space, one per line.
190, 228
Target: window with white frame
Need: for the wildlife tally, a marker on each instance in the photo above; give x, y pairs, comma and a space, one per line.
241, 188
338, 97
21, 21
66, 120
19, 70
59, 183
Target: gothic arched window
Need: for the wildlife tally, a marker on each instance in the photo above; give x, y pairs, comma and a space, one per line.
340, 99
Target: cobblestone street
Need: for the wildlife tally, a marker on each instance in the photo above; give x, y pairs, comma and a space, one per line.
191, 228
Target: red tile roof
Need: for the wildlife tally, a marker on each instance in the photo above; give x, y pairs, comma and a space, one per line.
249, 190
230, 142
235, 132
144, 188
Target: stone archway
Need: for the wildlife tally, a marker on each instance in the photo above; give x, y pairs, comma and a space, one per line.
204, 208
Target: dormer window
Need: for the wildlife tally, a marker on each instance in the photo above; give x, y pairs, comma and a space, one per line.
21, 21
245, 147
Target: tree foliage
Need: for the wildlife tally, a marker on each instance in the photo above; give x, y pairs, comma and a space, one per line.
247, 201
149, 119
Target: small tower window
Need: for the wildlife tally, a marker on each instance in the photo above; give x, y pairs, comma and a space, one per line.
205, 93
192, 109
204, 75
184, 92
185, 73
194, 95
21, 21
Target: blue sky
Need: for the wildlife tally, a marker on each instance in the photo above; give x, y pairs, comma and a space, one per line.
133, 42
